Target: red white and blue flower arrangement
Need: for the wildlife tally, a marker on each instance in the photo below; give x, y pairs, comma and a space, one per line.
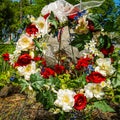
80, 84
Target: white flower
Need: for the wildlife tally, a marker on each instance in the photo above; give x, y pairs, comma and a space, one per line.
93, 90
32, 53
42, 25
26, 71
31, 17
65, 99
100, 54
108, 84
14, 56
103, 84
92, 49
24, 43
104, 66
86, 46
92, 43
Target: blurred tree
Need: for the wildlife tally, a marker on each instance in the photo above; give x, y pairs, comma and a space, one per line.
6, 15
12, 14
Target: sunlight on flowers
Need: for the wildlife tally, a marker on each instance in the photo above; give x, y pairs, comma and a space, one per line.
104, 66
24, 43
26, 71
93, 90
42, 25
65, 99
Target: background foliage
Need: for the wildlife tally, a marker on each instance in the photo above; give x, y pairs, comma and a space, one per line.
13, 13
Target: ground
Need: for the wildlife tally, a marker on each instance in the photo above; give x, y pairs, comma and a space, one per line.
16, 106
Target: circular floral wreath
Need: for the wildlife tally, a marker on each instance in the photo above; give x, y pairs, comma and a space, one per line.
77, 84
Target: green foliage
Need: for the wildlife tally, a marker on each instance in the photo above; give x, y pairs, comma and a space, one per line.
110, 15
4, 78
116, 78
37, 44
67, 82
103, 106
104, 42
52, 20
6, 48
80, 40
37, 81
44, 89
5, 68
6, 15
96, 19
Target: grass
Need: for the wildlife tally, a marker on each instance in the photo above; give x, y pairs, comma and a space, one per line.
5, 68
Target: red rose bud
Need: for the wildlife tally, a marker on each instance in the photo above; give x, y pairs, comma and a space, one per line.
95, 77
6, 57
47, 72
31, 29
80, 101
59, 69
24, 60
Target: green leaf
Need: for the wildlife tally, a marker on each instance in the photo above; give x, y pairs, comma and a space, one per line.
103, 106
80, 40
95, 18
37, 44
52, 20
35, 77
37, 81
1, 84
116, 81
104, 42
53, 81
37, 85
24, 84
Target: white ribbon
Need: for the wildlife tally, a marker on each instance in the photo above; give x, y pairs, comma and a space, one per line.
62, 9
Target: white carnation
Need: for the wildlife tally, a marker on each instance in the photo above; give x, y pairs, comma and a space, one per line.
65, 99
104, 66
93, 90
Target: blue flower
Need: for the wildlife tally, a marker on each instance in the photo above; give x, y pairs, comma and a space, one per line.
80, 14
12, 79
19, 31
76, 18
90, 67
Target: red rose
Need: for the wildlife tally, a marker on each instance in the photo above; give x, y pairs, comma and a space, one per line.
31, 29
42, 60
59, 68
24, 60
6, 57
106, 51
95, 77
80, 101
47, 72
82, 62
